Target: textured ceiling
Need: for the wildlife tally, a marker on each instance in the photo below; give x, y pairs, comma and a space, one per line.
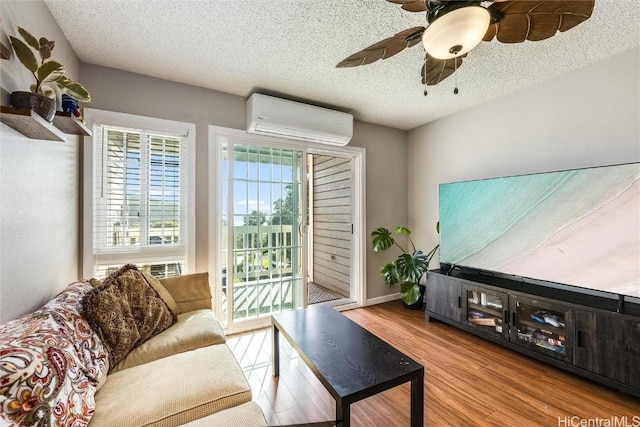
290, 48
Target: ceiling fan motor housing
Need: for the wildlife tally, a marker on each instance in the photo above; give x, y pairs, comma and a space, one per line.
456, 29
438, 8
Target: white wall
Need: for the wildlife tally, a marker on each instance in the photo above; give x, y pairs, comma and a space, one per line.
39, 184
589, 117
386, 193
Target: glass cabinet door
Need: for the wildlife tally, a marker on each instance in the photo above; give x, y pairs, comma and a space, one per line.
486, 310
543, 327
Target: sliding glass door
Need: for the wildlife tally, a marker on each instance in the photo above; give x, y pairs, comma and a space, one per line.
286, 227
262, 224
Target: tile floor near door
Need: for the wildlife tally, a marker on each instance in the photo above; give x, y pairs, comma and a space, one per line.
468, 381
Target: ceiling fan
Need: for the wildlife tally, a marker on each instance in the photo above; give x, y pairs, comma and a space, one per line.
455, 27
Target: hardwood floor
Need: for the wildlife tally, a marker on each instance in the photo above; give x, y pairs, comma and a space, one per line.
468, 381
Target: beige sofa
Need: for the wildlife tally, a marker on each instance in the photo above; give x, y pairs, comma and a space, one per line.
126, 351
186, 375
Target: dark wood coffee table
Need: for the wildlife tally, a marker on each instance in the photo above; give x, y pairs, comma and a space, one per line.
350, 361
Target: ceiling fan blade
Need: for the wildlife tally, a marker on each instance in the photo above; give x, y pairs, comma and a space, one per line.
385, 48
436, 70
411, 5
491, 33
536, 20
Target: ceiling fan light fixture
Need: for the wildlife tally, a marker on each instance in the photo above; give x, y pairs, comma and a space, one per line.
456, 32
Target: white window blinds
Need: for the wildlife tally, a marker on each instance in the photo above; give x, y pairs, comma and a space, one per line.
141, 198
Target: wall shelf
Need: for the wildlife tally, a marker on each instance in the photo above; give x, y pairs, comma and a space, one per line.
70, 124
31, 124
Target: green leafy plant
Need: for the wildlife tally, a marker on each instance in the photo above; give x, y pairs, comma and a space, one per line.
46, 71
408, 268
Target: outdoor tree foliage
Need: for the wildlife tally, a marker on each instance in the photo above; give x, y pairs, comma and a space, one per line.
284, 209
255, 218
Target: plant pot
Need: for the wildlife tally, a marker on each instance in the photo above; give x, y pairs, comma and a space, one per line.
45, 107
69, 104
418, 305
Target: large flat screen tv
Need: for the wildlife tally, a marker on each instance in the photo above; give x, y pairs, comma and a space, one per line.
578, 228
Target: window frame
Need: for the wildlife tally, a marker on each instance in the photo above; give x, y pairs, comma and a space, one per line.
187, 131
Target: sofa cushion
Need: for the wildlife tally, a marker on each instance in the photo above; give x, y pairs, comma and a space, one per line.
246, 415
125, 311
191, 291
194, 329
51, 364
173, 390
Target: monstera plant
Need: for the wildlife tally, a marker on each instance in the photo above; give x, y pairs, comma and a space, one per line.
46, 72
408, 268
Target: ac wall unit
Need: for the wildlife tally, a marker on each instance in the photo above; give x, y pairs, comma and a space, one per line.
267, 115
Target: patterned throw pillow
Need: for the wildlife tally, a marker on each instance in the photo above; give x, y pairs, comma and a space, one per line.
51, 364
125, 311
163, 293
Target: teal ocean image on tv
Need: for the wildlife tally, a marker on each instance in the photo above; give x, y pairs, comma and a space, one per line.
578, 227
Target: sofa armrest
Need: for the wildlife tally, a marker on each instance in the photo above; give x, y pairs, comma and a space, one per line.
190, 292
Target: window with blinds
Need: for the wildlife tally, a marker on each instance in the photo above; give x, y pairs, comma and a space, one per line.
140, 201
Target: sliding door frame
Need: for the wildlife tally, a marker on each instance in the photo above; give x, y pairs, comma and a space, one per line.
220, 135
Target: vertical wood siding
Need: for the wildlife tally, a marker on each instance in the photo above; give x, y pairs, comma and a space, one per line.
332, 223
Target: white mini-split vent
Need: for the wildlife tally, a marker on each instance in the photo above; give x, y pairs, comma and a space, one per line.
267, 115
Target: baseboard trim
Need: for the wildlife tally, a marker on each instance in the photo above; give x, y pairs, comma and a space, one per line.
383, 299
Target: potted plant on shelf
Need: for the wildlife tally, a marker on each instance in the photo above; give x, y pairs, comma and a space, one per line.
42, 97
408, 268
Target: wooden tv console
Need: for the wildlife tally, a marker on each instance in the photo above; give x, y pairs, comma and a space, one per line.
585, 334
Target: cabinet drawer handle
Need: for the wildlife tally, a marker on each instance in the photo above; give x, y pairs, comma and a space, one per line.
459, 302
579, 338
505, 317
